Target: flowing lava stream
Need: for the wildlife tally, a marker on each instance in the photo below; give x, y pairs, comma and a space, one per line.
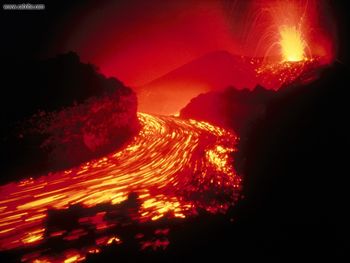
174, 166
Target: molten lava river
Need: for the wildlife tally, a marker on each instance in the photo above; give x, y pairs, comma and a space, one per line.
172, 168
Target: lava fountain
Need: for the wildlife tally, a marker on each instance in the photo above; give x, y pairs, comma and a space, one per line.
292, 44
287, 35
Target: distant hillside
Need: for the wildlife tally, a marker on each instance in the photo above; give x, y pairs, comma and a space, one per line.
214, 71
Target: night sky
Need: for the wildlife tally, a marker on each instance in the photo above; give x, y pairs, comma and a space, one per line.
139, 41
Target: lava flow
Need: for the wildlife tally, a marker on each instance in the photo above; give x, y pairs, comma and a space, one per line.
173, 166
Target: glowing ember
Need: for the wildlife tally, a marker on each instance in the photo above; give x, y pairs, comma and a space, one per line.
173, 166
292, 44
274, 75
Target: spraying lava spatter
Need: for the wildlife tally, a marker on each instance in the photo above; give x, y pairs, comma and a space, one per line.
173, 166
292, 44
290, 41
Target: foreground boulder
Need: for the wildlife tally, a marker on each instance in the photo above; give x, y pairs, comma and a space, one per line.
59, 113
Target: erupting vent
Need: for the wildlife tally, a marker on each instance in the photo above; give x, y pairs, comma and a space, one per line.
292, 44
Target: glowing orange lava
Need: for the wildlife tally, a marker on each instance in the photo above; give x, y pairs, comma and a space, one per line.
174, 166
292, 43
288, 26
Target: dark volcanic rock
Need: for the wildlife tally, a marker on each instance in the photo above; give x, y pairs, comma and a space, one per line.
294, 162
60, 112
231, 108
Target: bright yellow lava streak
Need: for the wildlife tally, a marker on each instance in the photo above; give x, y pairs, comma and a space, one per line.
292, 43
173, 165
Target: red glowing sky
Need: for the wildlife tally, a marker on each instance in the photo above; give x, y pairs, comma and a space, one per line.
142, 41
139, 41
